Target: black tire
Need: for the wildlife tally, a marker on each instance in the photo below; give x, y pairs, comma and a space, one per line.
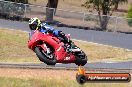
81, 79
43, 58
81, 59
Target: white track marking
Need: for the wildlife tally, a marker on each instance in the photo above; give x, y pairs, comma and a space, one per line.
101, 44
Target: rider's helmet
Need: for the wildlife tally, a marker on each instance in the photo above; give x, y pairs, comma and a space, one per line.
34, 23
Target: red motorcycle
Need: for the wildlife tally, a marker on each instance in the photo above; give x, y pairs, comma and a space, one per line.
50, 50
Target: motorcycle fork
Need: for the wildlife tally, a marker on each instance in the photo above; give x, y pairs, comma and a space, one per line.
45, 48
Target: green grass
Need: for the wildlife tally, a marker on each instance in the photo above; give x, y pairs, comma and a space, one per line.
16, 82
13, 48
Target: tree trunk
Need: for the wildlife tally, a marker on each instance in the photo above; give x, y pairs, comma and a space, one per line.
104, 19
104, 22
51, 10
49, 15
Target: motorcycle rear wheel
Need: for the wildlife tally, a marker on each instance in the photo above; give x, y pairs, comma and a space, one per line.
42, 57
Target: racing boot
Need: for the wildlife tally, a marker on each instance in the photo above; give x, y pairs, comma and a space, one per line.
70, 47
67, 48
68, 44
74, 48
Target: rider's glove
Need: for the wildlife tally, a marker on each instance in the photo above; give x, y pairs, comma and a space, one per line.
61, 33
64, 37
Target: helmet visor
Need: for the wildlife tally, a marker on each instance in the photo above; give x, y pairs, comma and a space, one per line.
33, 26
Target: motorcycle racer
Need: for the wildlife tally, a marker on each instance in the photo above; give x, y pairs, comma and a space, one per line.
35, 23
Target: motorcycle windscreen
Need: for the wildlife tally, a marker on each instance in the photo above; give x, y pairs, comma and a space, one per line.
31, 34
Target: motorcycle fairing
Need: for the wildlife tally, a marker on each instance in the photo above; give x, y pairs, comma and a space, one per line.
60, 53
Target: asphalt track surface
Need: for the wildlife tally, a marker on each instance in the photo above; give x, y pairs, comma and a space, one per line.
108, 38
64, 67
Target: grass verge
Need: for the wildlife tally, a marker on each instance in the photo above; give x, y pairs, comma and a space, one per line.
13, 48
46, 78
15, 82
97, 52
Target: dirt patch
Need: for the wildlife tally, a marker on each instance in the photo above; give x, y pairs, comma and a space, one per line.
38, 73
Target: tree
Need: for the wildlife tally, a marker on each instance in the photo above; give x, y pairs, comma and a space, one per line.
51, 9
52, 3
103, 7
129, 16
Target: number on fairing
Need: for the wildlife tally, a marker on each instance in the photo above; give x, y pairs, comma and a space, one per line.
67, 58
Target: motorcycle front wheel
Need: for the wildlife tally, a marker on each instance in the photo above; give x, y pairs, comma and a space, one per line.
42, 57
81, 58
